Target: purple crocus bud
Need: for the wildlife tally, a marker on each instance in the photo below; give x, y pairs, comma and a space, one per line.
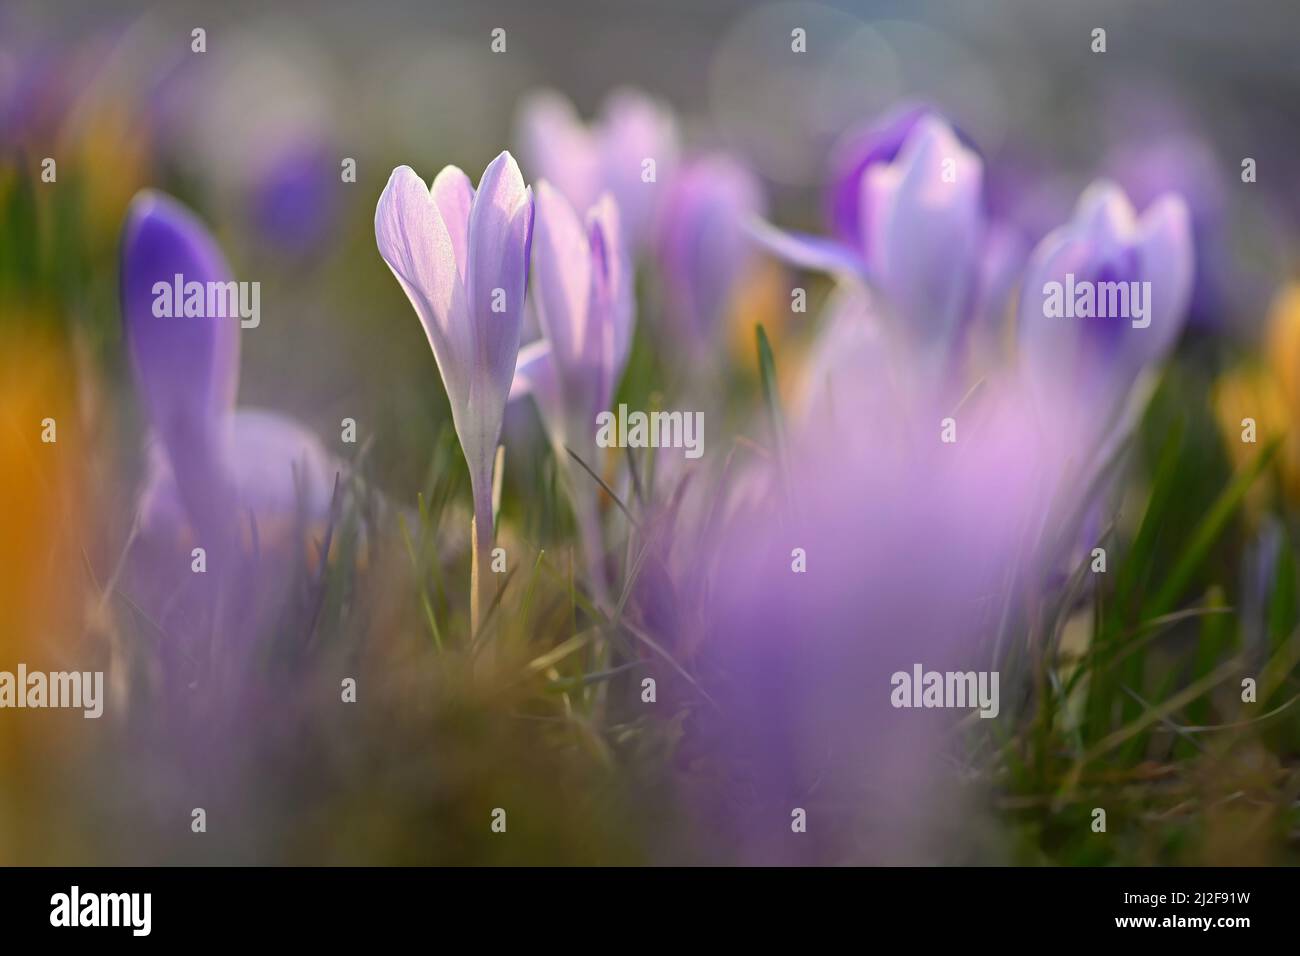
704, 246
1186, 165
922, 228
921, 231
211, 457
250, 488
628, 150
1104, 297
875, 144
462, 256
186, 369
583, 298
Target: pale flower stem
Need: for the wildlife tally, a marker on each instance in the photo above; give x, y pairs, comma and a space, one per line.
480, 581
587, 518
586, 515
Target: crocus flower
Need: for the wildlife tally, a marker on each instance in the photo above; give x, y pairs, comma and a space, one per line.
462, 256
704, 247
186, 370
1185, 164
1084, 368
583, 298
209, 457
875, 144
609, 155
920, 232
238, 483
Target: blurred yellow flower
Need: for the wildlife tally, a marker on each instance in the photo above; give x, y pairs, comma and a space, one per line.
764, 298
40, 470
1258, 401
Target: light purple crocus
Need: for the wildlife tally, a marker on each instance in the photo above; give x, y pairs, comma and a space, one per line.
583, 299
704, 247
462, 256
1084, 368
920, 231
609, 155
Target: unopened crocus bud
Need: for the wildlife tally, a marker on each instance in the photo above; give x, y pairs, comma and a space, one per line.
186, 368
1080, 358
583, 298
461, 256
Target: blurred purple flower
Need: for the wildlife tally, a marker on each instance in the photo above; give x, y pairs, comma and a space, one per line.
462, 258
1002, 262
583, 298
186, 370
212, 459
295, 196
245, 485
913, 550
876, 144
921, 229
609, 155
704, 246
1084, 368
1186, 165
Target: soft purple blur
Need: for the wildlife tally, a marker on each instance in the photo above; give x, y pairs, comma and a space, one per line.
584, 161
704, 247
295, 197
252, 488
186, 369
914, 550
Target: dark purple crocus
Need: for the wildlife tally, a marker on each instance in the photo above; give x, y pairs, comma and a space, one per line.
250, 487
213, 465
921, 227
186, 369
872, 145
